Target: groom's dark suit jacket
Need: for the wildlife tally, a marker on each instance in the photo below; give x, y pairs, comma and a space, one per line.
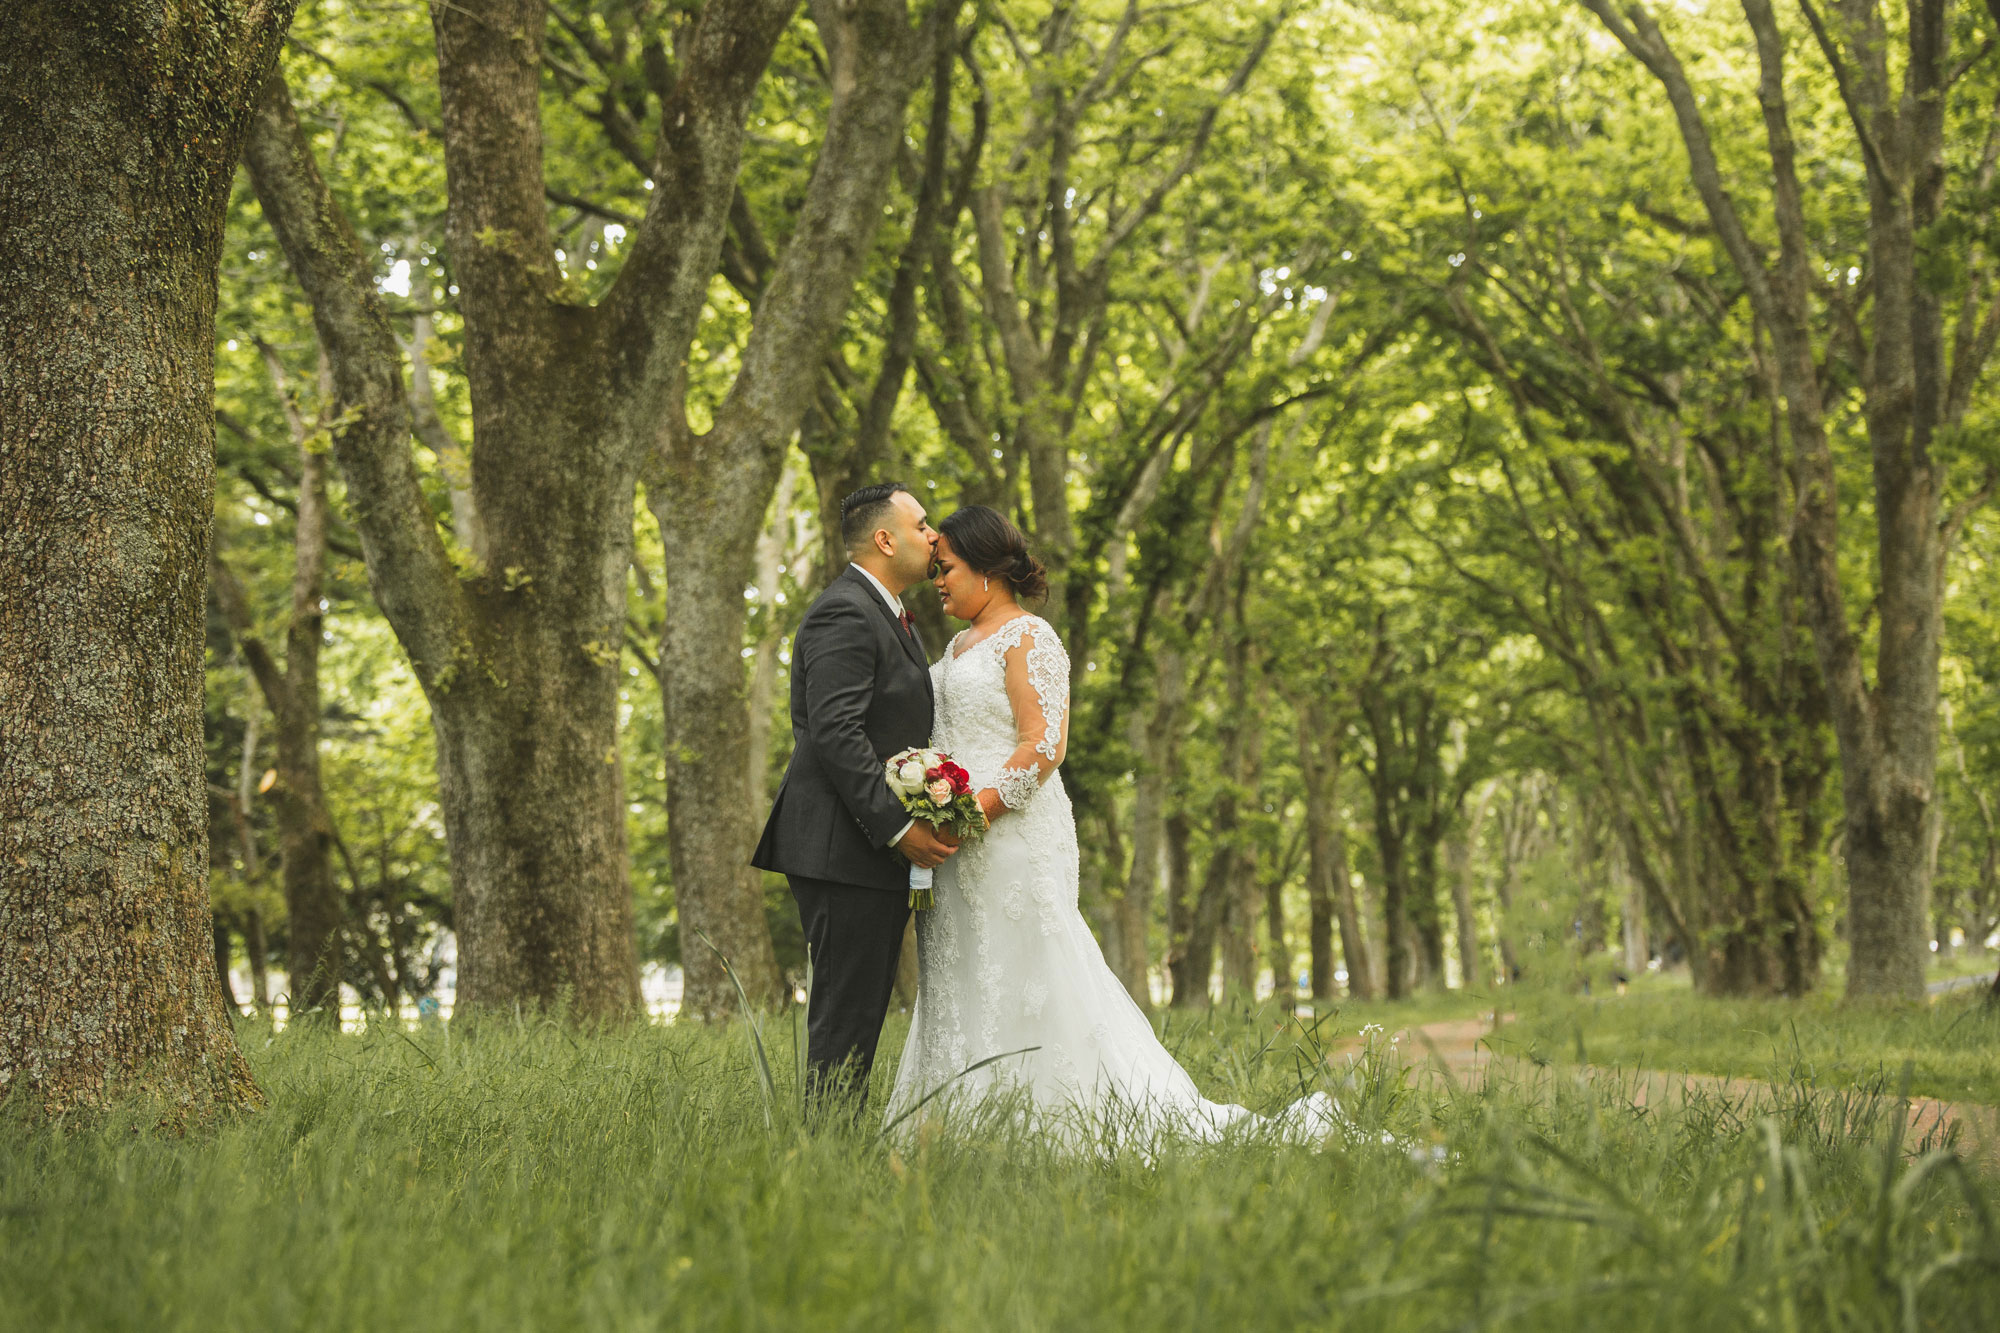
861, 691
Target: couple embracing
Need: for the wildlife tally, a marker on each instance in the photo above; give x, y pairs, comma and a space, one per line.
1006, 964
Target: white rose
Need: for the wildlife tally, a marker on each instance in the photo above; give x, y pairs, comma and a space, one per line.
910, 777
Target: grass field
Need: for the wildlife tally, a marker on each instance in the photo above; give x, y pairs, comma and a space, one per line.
1950, 1048
534, 1178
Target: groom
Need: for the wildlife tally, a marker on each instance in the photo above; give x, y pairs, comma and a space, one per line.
861, 691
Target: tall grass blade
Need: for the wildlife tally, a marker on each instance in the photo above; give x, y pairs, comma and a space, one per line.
765, 1084
976, 1065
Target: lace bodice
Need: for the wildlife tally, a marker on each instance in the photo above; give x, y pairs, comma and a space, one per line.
1007, 727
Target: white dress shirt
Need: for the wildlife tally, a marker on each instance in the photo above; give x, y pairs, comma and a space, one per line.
895, 602
895, 605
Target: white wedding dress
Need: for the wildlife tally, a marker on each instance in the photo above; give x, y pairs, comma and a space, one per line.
1006, 961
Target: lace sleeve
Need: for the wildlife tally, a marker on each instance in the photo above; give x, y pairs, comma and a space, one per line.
1037, 671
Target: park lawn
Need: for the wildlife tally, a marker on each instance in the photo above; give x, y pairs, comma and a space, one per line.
1950, 1046
534, 1177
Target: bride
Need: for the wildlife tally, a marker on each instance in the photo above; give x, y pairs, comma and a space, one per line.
1005, 961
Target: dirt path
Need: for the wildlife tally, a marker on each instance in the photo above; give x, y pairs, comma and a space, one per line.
1469, 1051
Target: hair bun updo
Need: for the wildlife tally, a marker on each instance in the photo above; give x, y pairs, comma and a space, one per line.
991, 545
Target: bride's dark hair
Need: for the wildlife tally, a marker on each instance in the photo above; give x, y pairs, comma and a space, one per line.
990, 545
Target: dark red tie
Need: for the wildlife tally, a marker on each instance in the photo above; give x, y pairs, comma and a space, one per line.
907, 620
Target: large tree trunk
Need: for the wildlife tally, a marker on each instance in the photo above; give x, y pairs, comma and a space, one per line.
709, 535
532, 787
519, 664
118, 135
710, 493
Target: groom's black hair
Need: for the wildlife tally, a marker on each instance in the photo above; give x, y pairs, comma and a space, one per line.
862, 512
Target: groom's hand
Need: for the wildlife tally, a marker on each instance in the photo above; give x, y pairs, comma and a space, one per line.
925, 846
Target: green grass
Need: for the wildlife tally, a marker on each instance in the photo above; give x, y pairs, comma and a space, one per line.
535, 1178
1951, 1046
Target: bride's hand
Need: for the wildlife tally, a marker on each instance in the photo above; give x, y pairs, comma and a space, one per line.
990, 805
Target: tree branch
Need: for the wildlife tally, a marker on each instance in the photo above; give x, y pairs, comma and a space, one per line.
582, 205
658, 295
1121, 228
235, 607
407, 566
876, 57
1850, 95
1643, 39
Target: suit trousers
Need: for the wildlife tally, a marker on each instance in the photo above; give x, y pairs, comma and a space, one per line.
855, 935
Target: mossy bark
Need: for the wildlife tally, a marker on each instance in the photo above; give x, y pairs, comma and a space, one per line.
118, 134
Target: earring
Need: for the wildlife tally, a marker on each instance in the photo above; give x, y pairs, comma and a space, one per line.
985, 585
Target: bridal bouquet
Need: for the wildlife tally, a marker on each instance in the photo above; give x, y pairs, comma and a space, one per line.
934, 789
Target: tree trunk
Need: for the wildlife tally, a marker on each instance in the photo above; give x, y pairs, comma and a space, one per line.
118, 136
1216, 904
1399, 961
533, 792
1284, 985
1133, 909
1155, 738
1194, 968
1632, 915
1238, 933
222, 954
1519, 835
772, 548
1463, 859
1321, 856
1183, 986
1243, 896
1330, 883
305, 829
710, 491
257, 956
255, 950
709, 534
1425, 914
519, 663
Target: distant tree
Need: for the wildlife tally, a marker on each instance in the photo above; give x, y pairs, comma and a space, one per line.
306, 836
1908, 347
